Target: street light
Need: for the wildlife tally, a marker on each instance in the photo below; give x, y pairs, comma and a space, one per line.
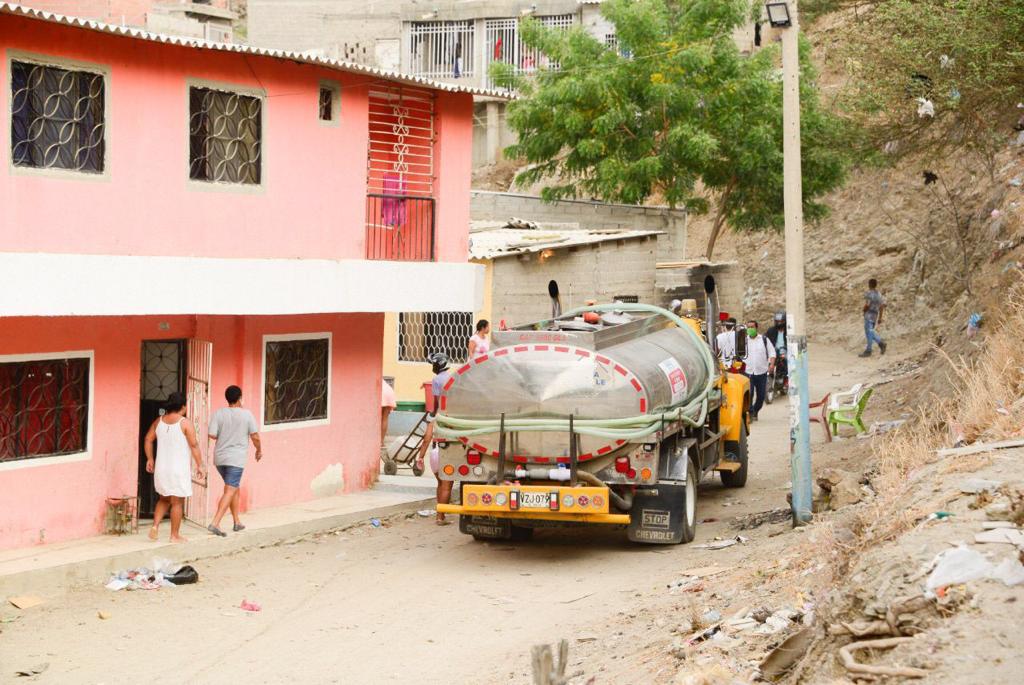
780, 15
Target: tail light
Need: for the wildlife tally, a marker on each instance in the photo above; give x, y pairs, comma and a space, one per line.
463, 470
622, 464
631, 473
473, 457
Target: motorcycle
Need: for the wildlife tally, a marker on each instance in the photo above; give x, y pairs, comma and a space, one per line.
778, 379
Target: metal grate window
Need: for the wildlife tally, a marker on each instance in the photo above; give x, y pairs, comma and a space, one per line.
421, 334
44, 408
442, 49
626, 299
400, 158
296, 380
225, 131
161, 369
57, 118
504, 44
326, 104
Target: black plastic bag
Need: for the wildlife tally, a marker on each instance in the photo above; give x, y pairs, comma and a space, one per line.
186, 575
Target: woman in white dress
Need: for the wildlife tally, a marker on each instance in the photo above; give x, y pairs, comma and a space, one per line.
478, 343
176, 441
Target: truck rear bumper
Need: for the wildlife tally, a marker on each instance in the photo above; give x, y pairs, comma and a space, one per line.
619, 519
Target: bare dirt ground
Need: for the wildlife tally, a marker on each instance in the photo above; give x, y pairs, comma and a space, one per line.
413, 602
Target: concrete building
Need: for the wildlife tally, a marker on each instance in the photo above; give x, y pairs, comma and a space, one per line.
448, 40
592, 250
207, 19
184, 215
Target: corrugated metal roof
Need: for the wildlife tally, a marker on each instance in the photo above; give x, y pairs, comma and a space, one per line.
189, 42
493, 239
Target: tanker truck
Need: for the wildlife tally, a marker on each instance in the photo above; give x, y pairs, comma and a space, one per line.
608, 415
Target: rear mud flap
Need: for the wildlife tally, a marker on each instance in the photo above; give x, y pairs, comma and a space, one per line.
658, 515
485, 527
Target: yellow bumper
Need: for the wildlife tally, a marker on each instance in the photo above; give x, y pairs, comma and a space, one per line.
582, 504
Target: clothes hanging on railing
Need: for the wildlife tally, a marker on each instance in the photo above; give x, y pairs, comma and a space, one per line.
392, 209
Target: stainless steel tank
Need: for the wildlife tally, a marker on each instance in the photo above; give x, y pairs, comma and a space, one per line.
549, 370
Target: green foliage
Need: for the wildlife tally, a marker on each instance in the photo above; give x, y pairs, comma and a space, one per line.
684, 116
966, 57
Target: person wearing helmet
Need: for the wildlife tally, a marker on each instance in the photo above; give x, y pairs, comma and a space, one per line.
777, 337
439, 364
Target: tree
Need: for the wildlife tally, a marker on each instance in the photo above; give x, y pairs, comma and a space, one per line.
674, 112
932, 76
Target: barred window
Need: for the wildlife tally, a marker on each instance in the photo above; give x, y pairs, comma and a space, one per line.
326, 104
296, 380
57, 118
44, 408
225, 134
421, 334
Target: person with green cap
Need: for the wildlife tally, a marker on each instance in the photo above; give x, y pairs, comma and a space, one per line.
760, 361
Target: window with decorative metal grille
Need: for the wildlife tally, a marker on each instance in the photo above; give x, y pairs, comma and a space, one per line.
296, 380
400, 174
421, 334
442, 49
225, 136
505, 45
626, 299
44, 408
326, 104
57, 118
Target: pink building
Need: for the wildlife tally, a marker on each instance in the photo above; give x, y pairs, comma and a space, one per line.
177, 215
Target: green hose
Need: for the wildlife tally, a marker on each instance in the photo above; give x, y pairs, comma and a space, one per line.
630, 429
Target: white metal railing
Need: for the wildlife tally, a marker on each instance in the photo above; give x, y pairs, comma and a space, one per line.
504, 44
442, 49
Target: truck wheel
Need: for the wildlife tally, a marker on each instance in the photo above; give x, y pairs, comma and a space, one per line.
690, 503
390, 467
737, 449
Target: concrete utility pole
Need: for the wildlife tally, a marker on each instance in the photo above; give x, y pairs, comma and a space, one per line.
796, 309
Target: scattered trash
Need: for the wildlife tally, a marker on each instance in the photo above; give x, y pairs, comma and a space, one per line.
26, 602
32, 672
1017, 182
973, 486
103, 615
945, 61
722, 544
705, 571
1010, 572
186, 575
158, 575
782, 659
880, 427
958, 565
711, 616
375, 523
939, 516
925, 108
425, 513
250, 606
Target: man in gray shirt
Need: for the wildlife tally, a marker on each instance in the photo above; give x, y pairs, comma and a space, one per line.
874, 306
232, 427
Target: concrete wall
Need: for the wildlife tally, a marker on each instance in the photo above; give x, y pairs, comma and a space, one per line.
600, 272
61, 498
485, 205
311, 199
128, 12
687, 282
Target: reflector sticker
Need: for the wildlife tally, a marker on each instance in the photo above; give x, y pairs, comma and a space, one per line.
676, 378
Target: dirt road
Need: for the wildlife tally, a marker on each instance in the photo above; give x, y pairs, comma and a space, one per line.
407, 603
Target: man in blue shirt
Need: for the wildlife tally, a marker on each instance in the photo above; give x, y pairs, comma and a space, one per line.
874, 306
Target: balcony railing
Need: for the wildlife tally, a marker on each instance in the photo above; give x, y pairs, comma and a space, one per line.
399, 227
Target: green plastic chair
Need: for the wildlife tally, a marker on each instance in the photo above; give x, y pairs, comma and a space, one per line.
850, 414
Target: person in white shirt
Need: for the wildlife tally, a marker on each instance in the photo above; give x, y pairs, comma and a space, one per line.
725, 342
760, 362
479, 343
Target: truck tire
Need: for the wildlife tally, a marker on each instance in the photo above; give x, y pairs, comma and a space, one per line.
690, 503
738, 450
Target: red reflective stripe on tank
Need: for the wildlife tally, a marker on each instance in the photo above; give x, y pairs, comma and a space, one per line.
479, 448
464, 441
561, 349
463, 370
494, 453
621, 370
620, 442
481, 359
562, 460
603, 360
450, 383
584, 457
541, 460
519, 460
520, 348
636, 384
444, 402
643, 405
605, 450
501, 353
540, 348
583, 353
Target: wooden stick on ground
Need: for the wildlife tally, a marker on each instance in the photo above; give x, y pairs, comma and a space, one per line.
853, 666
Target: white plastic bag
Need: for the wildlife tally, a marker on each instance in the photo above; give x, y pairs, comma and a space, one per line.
957, 566
1010, 572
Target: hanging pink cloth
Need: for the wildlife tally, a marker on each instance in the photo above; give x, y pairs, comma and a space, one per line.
392, 209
